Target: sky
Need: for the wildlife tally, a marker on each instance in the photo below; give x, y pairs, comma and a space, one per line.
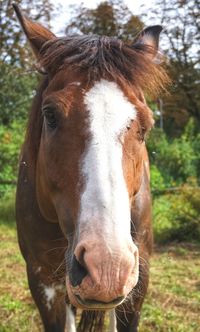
59, 22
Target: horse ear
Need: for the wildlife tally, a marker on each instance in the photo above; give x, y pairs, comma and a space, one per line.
149, 37
36, 34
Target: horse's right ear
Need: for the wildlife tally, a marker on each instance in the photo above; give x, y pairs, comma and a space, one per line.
37, 35
149, 38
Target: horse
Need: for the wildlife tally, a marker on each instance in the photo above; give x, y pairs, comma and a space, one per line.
83, 204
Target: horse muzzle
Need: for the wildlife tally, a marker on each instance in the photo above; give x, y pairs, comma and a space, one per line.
101, 278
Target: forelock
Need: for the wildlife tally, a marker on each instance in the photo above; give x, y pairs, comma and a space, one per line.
104, 57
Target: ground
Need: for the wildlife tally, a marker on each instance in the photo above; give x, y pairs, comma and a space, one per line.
172, 304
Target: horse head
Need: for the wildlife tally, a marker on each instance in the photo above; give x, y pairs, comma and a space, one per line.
91, 160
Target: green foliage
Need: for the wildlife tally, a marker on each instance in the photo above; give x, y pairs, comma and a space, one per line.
157, 180
175, 170
192, 134
10, 143
186, 207
177, 215
162, 218
17, 88
174, 161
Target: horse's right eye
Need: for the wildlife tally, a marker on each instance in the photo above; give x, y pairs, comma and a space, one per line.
50, 117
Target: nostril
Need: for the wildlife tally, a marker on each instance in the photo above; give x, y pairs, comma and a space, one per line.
79, 253
77, 273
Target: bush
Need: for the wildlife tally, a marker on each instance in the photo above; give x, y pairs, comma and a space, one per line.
157, 179
175, 172
10, 143
176, 160
177, 216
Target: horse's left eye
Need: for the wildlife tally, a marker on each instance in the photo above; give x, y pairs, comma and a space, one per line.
50, 116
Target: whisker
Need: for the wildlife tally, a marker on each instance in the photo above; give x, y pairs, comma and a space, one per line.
119, 318
52, 249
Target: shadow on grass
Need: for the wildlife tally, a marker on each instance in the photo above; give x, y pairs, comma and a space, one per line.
7, 211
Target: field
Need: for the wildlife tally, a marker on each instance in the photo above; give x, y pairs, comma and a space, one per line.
172, 305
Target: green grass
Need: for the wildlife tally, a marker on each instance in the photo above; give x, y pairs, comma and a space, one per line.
172, 304
17, 311
173, 301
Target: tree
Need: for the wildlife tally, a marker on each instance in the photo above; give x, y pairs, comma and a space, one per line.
17, 83
182, 44
17, 88
12, 39
17, 79
111, 18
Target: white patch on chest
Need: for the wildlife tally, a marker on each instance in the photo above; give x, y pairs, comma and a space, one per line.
50, 293
71, 323
105, 196
113, 321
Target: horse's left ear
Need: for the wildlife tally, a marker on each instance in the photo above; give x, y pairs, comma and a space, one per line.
36, 34
149, 37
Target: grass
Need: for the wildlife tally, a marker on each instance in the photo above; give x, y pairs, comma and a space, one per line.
17, 311
172, 304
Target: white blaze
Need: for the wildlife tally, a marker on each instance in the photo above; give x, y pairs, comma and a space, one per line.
105, 196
